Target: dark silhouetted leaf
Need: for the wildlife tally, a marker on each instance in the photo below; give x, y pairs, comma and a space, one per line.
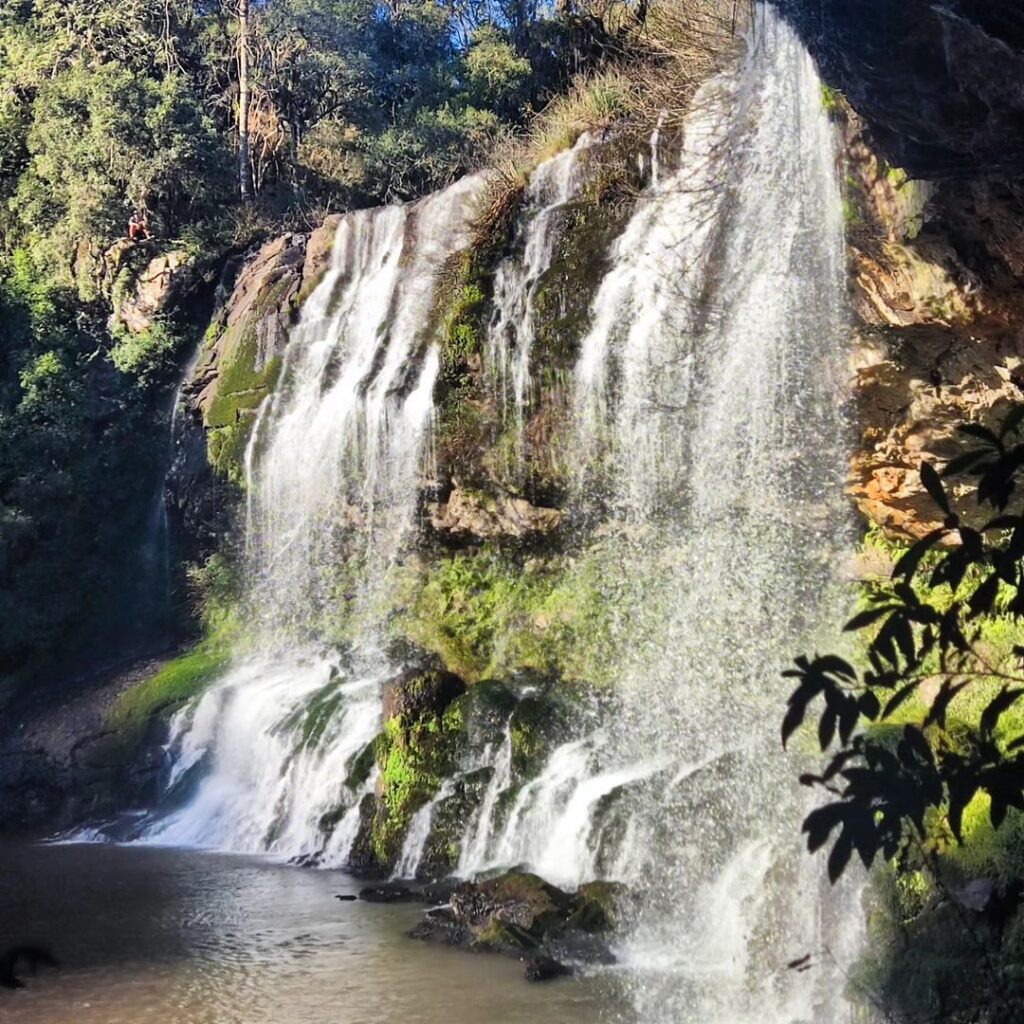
1001, 703
1012, 421
898, 698
964, 462
867, 617
839, 858
937, 712
933, 485
911, 559
869, 706
982, 434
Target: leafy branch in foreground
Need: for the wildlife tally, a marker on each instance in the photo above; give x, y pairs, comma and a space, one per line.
894, 763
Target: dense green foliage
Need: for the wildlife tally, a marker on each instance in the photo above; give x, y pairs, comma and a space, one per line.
107, 107
929, 766
79, 455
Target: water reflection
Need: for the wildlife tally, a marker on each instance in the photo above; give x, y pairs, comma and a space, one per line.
174, 936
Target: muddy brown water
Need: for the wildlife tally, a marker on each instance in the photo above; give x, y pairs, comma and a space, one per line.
181, 937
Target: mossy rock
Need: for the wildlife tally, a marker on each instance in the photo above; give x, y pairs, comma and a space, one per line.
515, 898
562, 304
315, 714
248, 364
362, 765
538, 724
362, 859
483, 711
418, 693
160, 696
448, 824
516, 912
498, 937
129, 748
418, 749
599, 906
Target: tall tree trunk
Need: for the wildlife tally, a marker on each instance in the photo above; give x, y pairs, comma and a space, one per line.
244, 158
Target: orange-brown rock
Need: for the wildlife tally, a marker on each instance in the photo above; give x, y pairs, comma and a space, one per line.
484, 517
153, 290
941, 327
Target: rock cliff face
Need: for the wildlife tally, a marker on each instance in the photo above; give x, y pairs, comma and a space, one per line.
235, 370
931, 103
942, 84
162, 281
935, 270
60, 761
935, 274
933, 109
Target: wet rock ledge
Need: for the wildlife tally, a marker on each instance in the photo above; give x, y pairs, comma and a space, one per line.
518, 914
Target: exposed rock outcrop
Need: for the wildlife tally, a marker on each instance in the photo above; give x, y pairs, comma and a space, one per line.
471, 514
936, 293
235, 370
153, 290
941, 84
519, 914
60, 762
415, 752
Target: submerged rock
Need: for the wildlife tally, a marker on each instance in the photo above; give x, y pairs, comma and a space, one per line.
387, 893
545, 968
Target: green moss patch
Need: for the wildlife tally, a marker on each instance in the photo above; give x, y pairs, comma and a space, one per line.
494, 612
416, 752
175, 684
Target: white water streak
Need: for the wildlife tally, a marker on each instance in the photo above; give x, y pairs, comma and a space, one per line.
333, 473
554, 183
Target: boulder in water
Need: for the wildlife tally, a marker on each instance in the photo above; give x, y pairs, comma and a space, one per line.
519, 914
415, 753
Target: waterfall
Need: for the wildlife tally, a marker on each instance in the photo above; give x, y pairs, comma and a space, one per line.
708, 416
332, 476
335, 460
709, 447
512, 331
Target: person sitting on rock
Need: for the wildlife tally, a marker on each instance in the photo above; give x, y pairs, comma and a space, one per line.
138, 227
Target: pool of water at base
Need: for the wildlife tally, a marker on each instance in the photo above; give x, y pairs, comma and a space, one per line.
182, 937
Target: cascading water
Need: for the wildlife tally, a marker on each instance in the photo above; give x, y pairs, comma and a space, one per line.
512, 332
332, 480
708, 410
336, 455
708, 436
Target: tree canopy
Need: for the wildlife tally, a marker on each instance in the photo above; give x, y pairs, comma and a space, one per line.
110, 107
107, 106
